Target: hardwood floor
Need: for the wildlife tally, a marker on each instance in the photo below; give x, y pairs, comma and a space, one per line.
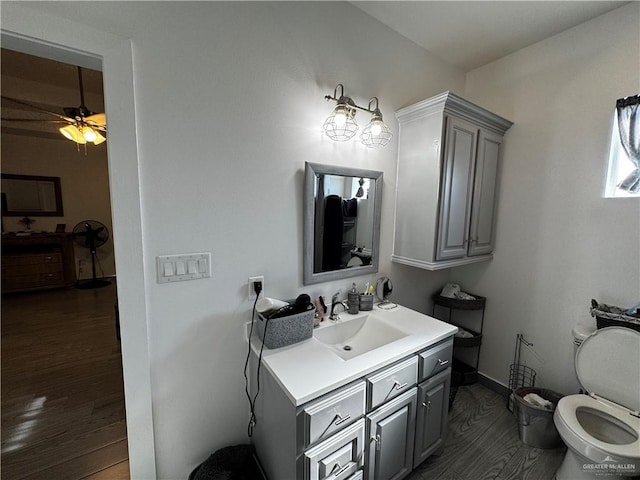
62, 402
483, 444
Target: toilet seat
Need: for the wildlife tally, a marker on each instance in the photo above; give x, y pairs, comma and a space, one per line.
577, 437
607, 365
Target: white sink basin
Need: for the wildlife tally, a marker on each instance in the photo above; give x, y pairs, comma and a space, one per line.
352, 337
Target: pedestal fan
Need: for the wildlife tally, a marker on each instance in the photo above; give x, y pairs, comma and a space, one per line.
91, 234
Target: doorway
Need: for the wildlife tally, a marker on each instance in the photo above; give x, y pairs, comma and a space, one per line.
63, 403
38, 33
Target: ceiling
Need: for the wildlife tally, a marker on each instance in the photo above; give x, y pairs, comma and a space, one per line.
469, 34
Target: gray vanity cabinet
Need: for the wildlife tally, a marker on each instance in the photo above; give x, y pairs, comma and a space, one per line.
432, 416
448, 159
371, 428
391, 436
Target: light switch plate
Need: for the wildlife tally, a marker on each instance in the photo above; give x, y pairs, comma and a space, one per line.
186, 266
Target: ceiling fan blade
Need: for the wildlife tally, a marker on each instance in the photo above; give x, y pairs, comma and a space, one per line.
97, 120
26, 104
32, 120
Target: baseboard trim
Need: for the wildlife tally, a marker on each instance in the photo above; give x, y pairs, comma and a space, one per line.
494, 385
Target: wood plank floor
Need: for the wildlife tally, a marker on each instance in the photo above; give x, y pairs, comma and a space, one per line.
483, 444
62, 401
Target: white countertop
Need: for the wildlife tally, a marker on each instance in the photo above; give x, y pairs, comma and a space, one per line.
310, 368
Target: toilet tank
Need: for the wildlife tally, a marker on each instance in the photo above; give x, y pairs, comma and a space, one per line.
582, 330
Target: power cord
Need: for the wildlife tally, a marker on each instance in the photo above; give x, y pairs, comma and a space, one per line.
257, 287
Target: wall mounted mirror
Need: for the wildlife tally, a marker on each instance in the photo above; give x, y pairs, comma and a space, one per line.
341, 222
31, 195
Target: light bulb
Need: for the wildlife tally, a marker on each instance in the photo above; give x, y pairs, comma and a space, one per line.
88, 134
340, 118
376, 128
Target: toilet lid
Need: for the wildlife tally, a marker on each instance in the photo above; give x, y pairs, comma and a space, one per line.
608, 364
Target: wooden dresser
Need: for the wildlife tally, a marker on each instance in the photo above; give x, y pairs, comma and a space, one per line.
37, 261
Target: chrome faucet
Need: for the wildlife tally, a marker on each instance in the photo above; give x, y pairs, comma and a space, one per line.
334, 303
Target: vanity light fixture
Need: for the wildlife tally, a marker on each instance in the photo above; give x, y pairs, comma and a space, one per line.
341, 125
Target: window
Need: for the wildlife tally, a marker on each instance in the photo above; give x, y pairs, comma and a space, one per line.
623, 175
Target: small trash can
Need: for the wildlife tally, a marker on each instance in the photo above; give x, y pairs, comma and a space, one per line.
236, 462
535, 424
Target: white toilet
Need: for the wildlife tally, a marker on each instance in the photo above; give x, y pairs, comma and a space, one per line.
602, 428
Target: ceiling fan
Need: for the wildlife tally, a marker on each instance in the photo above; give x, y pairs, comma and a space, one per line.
82, 125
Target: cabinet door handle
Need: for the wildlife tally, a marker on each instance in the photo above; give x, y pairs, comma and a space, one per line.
442, 363
340, 469
339, 419
376, 439
399, 386
427, 406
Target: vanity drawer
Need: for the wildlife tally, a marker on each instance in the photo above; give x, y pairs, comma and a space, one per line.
332, 412
391, 382
435, 359
338, 457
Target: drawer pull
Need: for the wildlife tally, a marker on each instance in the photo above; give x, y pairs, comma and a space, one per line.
340, 469
339, 419
48, 258
377, 440
49, 275
399, 386
442, 363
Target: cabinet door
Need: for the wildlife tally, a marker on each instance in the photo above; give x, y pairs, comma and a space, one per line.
457, 185
391, 436
432, 417
484, 194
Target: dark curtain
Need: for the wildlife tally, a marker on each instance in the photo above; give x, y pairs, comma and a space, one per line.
628, 113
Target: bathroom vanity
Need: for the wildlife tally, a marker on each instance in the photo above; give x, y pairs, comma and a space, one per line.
365, 398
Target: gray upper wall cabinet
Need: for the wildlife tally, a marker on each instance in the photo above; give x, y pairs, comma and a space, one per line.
448, 158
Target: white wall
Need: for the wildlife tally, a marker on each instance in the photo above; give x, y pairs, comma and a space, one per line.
559, 242
229, 102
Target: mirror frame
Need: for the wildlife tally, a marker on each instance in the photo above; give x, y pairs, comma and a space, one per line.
58, 212
310, 173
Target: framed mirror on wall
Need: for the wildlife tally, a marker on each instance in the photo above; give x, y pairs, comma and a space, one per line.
342, 208
31, 195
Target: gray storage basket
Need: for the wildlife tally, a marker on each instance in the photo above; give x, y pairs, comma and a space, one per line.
287, 330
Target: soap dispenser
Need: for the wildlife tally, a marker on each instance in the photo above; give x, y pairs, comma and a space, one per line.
353, 300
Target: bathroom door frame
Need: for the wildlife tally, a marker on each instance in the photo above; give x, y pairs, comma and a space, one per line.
27, 30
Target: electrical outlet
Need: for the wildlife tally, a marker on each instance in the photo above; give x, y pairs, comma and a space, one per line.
252, 292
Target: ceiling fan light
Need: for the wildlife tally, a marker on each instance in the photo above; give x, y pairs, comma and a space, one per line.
72, 133
99, 138
89, 134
